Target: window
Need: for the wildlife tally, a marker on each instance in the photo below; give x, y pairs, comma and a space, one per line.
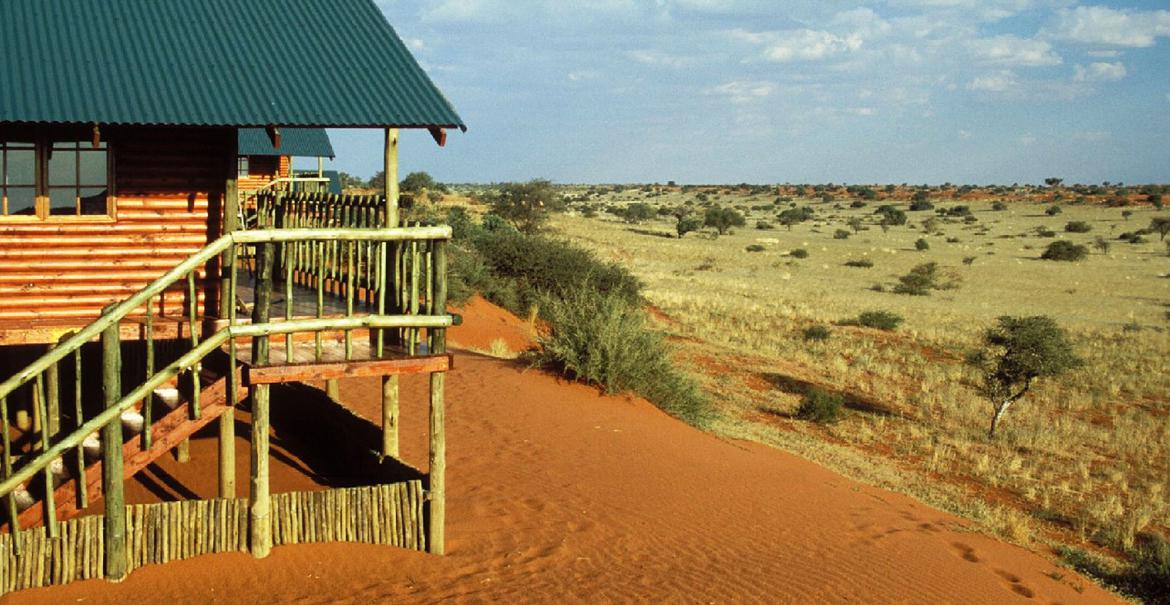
18, 185
242, 166
54, 179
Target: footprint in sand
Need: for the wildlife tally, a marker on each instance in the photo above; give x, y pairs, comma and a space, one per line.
1016, 584
966, 552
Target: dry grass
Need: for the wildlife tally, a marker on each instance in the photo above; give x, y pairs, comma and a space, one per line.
1086, 458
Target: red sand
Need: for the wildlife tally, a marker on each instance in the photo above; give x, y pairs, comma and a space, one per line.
484, 322
557, 494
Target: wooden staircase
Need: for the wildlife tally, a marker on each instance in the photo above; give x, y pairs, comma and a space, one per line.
172, 425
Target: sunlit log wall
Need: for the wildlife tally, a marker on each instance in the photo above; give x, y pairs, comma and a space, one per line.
166, 183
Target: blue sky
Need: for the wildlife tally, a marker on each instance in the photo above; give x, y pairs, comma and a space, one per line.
728, 91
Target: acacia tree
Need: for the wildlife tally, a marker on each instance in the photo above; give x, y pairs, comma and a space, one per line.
1161, 225
1017, 352
723, 219
525, 205
687, 223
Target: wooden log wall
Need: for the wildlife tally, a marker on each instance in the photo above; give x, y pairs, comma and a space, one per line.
389, 514
166, 182
263, 170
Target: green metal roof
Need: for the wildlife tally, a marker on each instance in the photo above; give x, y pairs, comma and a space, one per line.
299, 142
238, 63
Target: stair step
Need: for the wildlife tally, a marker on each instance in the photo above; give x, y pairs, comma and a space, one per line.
169, 396
24, 498
133, 421
92, 446
59, 472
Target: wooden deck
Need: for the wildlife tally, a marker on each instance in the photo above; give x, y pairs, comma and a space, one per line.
334, 363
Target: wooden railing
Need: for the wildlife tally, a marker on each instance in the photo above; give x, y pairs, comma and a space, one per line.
321, 258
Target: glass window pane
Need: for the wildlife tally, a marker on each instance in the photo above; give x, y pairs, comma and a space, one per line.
22, 201
93, 167
63, 167
21, 167
93, 200
63, 201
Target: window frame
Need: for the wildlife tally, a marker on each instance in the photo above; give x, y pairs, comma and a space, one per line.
43, 147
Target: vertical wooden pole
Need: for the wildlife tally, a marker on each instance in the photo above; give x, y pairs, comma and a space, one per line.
390, 415
115, 522
259, 500
438, 445
389, 383
227, 310
231, 222
391, 171
227, 431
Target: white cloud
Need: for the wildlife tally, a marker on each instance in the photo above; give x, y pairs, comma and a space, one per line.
744, 91
801, 44
1111, 27
964, 134
1003, 81
1014, 51
1104, 54
1099, 72
1027, 139
659, 58
414, 44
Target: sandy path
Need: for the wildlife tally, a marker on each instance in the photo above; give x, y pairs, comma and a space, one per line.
557, 494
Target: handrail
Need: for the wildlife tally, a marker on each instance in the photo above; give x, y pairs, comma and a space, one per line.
194, 356
121, 310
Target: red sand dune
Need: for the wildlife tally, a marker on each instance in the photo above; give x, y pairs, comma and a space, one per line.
557, 494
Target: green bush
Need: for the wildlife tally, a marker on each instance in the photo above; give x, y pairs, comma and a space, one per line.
817, 333
891, 215
881, 320
924, 278
602, 338
1053, 210
799, 253
755, 248
1078, 227
922, 245
1065, 251
998, 206
1045, 232
537, 264
764, 225
861, 263
820, 407
921, 205
841, 234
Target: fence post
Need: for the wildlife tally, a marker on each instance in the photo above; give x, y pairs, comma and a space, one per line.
112, 484
259, 502
438, 444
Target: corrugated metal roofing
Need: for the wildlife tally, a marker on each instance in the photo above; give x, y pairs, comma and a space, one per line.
299, 142
211, 63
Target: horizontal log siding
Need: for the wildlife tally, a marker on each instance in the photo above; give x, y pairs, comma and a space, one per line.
263, 170
164, 180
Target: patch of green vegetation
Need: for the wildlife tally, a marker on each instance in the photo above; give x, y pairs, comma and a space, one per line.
602, 339
1065, 251
597, 329
817, 333
820, 407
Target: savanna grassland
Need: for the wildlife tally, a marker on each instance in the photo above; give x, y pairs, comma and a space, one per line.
1082, 460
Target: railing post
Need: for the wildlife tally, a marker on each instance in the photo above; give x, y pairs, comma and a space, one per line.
227, 310
259, 503
112, 485
438, 443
